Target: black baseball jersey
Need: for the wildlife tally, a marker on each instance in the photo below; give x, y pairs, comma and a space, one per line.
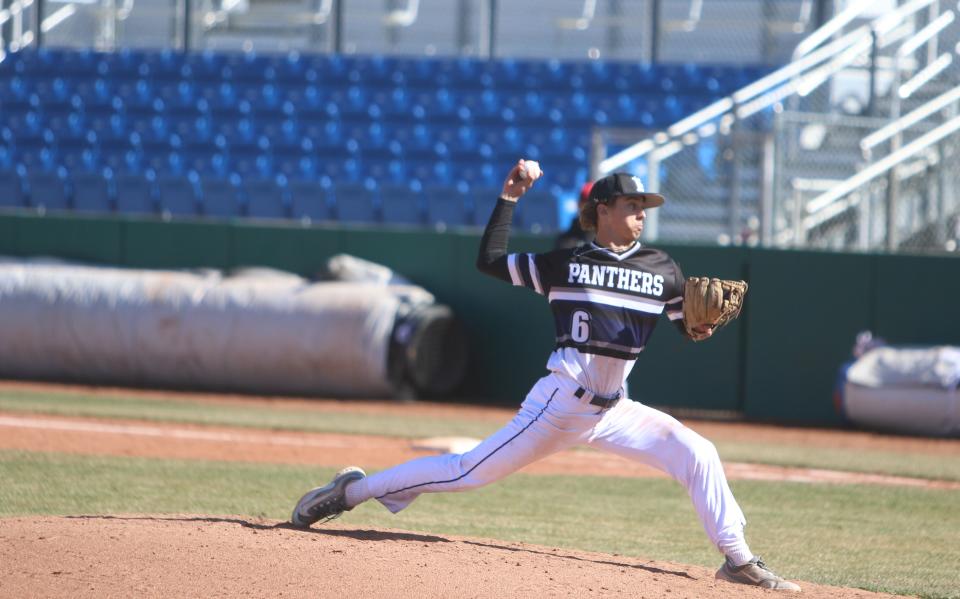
605, 304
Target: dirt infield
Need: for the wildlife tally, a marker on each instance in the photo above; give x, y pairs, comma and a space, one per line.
207, 556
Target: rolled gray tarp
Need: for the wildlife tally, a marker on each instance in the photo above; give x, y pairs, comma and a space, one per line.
259, 330
907, 390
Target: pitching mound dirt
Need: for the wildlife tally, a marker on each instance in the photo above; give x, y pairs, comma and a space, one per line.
205, 556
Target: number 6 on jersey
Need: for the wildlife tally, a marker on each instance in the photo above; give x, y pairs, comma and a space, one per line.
580, 328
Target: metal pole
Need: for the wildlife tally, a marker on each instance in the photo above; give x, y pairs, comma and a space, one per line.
38, 9
799, 235
186, 15
598, 151
492, 30
464, 20
655, 30
652, 222
823, 11
767, 190
5, 28
893, 191
336, 32
735, 184
874, 48
933, 11
614, 31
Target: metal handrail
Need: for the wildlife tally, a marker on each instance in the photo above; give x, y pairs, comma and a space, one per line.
828, 29
911, 118
403, 17
583, 21
825, 206
926, 74
767, 90
919, 38
725, 105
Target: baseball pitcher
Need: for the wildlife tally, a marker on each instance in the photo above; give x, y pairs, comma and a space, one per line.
606, 297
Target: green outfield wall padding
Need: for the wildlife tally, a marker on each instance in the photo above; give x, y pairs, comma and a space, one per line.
9, 232
917, 300
72, 238
805, 310
301, 250
177, 244
778, 362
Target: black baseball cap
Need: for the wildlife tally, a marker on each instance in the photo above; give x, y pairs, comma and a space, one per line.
623, 184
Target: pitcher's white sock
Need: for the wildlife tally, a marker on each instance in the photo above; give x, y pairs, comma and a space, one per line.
357, 492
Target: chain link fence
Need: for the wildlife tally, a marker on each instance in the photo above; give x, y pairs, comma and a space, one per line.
899, 202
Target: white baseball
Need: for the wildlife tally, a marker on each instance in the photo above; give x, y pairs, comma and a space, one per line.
531, 169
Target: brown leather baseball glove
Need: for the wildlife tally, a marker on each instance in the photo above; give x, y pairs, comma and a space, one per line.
710, 302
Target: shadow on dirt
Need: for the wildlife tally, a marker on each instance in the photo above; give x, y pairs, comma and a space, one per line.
211, 519
652, 569
360, 535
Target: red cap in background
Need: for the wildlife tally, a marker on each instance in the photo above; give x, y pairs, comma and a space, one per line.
585, 191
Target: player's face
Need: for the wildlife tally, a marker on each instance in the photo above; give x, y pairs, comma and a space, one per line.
622, 219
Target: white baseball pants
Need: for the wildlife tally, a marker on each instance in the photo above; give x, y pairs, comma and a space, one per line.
552, 418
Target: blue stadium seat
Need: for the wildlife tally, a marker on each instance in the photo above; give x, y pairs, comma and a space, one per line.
421, 72
389, 171
310, 199
15, 95
351, 102
264, 198
432, 172
483, 199
447, 206
220, 196
91, 192
289, 69
78, 64
78, 151
401, 204
11, 189
38, 63
355, 202
349, 170
164, 65
202, 66
37, 152
295, 160
244, 66
136, 193
393, 104
537, 212
177, 194
478, 174
483, 107
48, 190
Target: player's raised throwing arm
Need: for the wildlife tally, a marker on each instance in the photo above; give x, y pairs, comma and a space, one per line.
492, 258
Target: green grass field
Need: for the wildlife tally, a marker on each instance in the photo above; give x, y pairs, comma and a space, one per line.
892, 539
914, 464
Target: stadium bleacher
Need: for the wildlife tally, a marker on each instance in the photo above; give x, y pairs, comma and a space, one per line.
390, 140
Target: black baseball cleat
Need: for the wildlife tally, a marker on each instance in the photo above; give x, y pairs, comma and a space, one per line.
755, 573
328, 502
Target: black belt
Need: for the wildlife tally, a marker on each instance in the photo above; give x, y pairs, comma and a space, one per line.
599, 400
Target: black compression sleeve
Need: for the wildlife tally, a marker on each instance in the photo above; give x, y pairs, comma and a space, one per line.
492, 258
